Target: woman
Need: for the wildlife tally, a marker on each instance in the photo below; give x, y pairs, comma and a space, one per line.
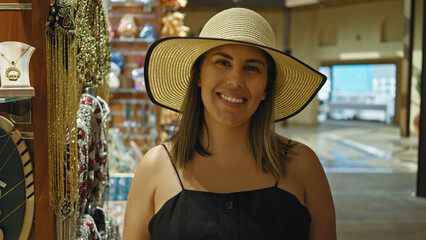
225, 174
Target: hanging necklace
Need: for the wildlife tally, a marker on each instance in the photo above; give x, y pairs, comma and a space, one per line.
12, 72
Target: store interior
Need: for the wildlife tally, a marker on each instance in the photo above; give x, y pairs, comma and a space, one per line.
74, 105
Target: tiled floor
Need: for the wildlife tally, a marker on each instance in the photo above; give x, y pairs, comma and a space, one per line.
372, 173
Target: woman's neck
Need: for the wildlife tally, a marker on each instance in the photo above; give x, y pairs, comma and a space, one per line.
223, 140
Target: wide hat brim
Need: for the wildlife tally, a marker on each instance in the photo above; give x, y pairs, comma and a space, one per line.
169, 62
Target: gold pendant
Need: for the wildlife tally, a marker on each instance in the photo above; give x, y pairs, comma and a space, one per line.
13, 73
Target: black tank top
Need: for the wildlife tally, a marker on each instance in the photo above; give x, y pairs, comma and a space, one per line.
267, 213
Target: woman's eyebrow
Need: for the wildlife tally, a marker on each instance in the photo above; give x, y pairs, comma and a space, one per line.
223, 55
231, 58
255, 61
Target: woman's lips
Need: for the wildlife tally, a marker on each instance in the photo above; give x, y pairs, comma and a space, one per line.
234, 100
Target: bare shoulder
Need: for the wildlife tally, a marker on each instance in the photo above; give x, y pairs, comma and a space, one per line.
305, 163
304, 156
140, 202
151, 169
149, 166
153, 159
303, 169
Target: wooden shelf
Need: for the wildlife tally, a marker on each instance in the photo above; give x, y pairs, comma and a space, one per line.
127, 94
126, 90
21, 92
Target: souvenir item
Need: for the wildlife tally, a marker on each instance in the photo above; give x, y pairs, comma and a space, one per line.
113, 231
141, 60
117, 58
173, 25
121, 159
167, 71
99, 216
120, 186
114, 81
78, 55
87, 229
16, 184
111, 32
127, 27
14, 64
92, 152
91, 118
115, 69
148, 33
137, 76
174, 4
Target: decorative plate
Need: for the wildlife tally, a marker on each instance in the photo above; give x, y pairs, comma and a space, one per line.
16, 184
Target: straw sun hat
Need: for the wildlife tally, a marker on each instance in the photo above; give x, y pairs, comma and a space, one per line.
169, 61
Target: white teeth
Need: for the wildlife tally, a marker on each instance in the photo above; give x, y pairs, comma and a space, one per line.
231, 99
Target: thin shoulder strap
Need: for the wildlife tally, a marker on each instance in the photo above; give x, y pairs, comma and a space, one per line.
177, 174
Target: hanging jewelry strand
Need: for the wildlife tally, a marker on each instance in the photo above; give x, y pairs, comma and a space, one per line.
12, 72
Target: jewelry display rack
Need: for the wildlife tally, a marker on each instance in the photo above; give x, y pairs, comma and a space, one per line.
24, 21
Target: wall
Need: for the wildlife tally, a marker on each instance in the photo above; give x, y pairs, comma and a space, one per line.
358, 31
357, 38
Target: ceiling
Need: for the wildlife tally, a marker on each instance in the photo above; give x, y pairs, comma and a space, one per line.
301, 3
257, 3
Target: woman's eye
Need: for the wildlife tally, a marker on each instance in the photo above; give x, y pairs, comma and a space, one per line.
253, 69
223, 62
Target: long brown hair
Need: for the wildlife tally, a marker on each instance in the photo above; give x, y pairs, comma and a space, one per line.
268, 149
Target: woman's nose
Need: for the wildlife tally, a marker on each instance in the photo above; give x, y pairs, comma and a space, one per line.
236, 79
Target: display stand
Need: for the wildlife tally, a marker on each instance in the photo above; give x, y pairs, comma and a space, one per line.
14, 64
14, 69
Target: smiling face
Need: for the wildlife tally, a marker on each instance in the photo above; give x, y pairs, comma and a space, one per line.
232, 80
